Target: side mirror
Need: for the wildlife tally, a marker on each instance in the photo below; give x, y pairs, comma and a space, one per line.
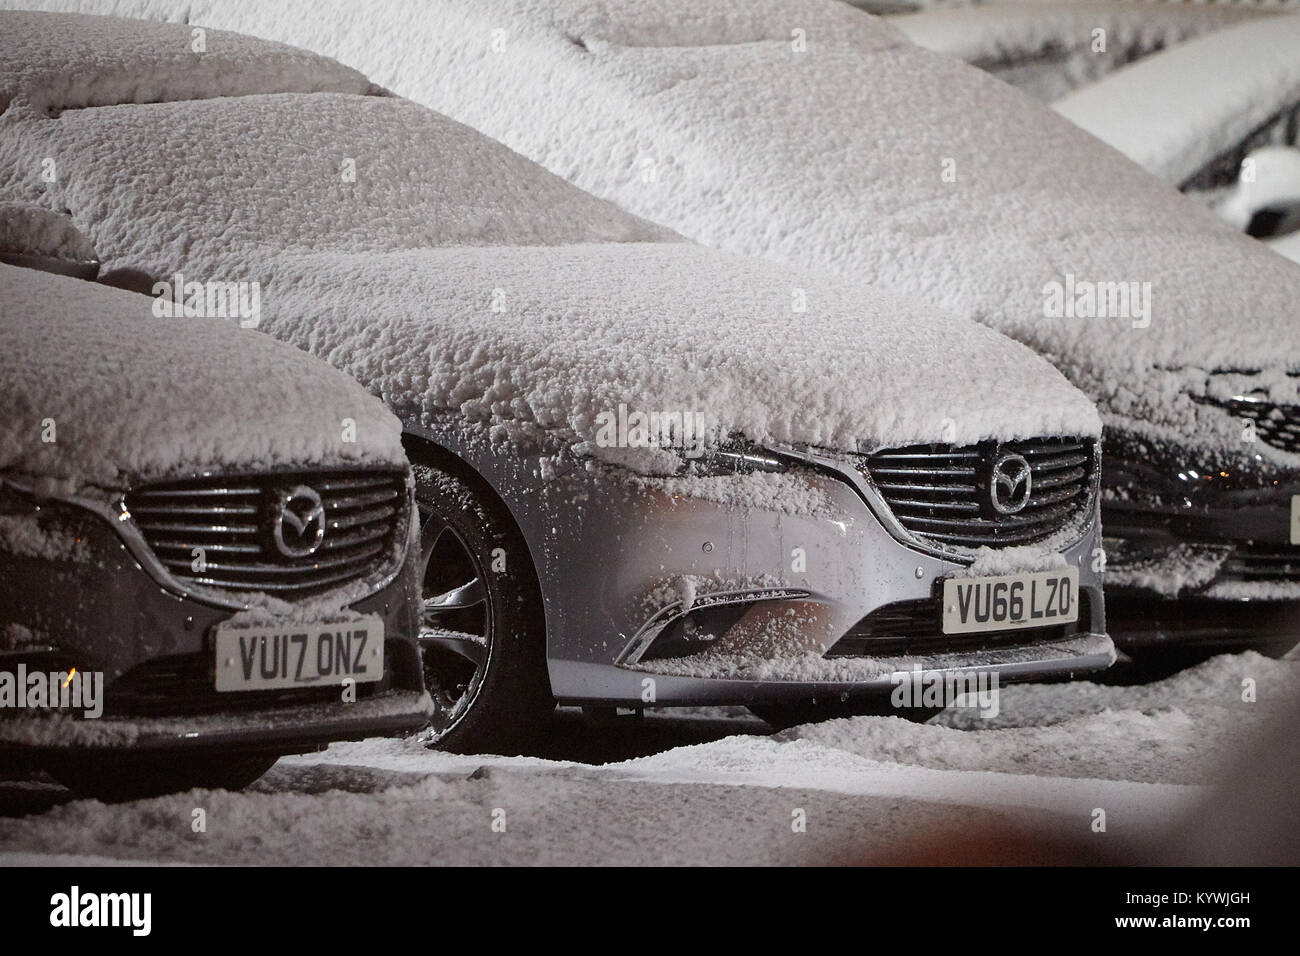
35, 238
1266, 200
1275, 220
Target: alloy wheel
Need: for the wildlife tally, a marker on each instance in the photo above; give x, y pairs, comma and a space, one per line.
456, 622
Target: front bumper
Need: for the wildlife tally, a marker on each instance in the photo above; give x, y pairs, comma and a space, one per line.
79, 598
271, 730
632, 570
1199, 554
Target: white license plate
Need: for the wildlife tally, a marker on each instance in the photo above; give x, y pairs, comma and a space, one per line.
279, 656
1295, 519
1004, 602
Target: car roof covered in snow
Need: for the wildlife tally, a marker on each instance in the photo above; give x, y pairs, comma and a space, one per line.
215, 183
809, 132
1246, 77
455, 275
116, 60
98, 391
1048, 49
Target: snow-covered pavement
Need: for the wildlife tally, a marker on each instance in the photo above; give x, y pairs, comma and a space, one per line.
865, 789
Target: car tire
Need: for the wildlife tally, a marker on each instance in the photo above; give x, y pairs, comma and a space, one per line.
120, 778
482, 636
785, 716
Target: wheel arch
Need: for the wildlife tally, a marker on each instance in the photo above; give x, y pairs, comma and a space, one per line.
423, 450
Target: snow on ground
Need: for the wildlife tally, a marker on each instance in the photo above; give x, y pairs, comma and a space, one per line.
870, 788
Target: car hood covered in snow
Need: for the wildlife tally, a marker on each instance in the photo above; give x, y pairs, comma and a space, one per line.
810, 132
1049, 47
1247, 80
449, 274
97, 391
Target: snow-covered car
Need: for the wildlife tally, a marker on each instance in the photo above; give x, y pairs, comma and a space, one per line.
814, 134
203, 539
1195, 133
648, 472
1051, 48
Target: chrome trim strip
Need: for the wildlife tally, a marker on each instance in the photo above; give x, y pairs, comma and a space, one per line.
655, 624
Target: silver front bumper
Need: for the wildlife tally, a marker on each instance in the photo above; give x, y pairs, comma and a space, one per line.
618, 557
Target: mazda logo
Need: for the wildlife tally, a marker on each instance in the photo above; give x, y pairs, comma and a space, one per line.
298, 522
1010, 484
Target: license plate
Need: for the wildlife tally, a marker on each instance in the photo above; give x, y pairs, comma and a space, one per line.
1004, 602
279, 656
1295, 519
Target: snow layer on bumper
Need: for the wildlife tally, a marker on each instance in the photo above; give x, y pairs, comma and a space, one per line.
1088, 652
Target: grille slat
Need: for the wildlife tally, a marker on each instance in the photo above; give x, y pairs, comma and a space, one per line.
903, 504
1059, 461
363, 517
353, 501
917, 485
914, 487
1053, 481
251, 569
202, 510
218, 546
164, 494
192, 528
350, 484
909, 471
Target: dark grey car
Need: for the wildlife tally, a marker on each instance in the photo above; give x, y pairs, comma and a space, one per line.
199, 572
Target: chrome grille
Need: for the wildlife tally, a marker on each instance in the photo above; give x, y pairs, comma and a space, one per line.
1276, 425
941, 493
231, 519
